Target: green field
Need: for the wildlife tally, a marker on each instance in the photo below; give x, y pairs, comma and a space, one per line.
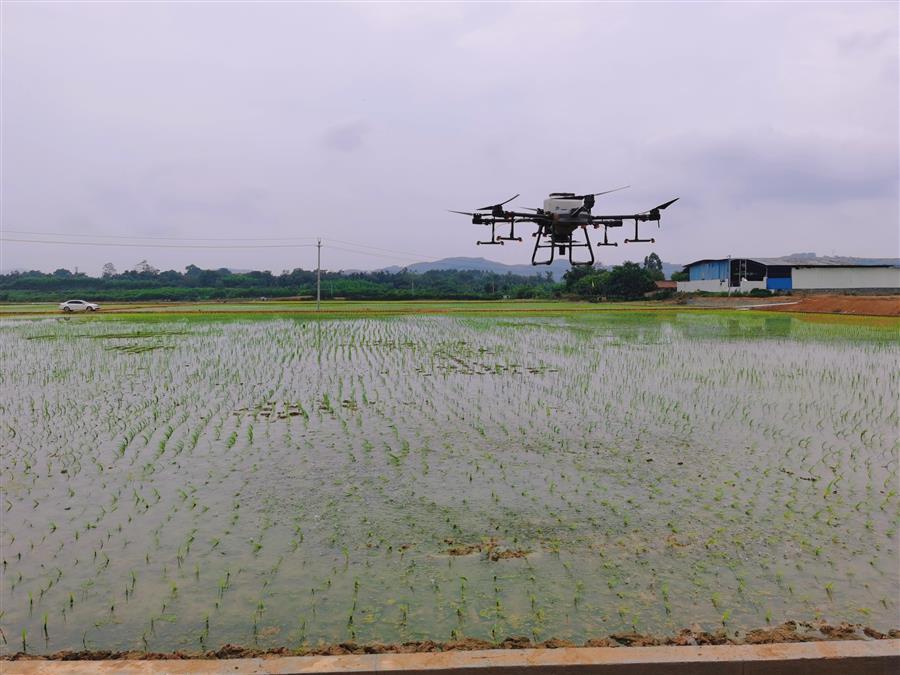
328, 309
457, 470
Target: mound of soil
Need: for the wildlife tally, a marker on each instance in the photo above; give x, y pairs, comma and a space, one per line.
490, 547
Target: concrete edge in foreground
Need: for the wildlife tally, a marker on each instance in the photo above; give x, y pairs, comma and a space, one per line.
845, 657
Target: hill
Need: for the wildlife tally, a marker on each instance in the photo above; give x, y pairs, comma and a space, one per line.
558, 268
670, 268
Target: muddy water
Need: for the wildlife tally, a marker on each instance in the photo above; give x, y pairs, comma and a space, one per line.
272, 483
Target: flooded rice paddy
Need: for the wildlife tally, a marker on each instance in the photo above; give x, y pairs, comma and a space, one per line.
184, 484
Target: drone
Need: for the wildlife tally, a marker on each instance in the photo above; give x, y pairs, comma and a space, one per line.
563, 214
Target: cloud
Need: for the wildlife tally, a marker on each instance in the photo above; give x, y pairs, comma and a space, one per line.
774, 122
863, 41
348, 137
803, 170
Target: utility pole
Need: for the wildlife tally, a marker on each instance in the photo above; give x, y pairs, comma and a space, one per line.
318, 274
729, 274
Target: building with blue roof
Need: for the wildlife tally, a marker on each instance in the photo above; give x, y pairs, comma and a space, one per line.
804, 272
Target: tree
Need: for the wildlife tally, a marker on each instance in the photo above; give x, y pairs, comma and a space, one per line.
144, 267
109, 270
628, 281
680, 276
592, 285
653, 265
575, 274
62, 273
200, 284
653, 262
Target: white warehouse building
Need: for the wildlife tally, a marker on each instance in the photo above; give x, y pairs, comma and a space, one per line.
741, 275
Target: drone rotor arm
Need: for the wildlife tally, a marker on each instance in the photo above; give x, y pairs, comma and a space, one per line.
651, 214
524, 217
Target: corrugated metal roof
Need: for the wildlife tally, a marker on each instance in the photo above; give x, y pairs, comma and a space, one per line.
803, 261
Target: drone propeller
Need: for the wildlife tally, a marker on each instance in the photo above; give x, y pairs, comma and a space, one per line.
589, 199
597, 194
653, 214
497, 206
666, 205
477, 218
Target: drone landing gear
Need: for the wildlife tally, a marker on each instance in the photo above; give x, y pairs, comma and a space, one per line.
585, 244
637, 239
542, 233
544, 239
606, 242
512, 233
495, 240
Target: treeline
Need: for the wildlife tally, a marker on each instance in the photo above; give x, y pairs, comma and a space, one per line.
628, 281
200, 284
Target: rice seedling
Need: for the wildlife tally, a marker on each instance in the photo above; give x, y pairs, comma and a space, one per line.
646, 469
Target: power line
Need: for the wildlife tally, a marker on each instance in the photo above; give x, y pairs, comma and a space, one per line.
123, 236
386, 252
138, 244
134, 245
389, 250
405, 256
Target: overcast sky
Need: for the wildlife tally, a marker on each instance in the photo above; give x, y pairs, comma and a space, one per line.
776, 124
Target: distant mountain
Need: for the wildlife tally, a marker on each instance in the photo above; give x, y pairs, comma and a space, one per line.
670, 268
800, 258
809, 258
558, 268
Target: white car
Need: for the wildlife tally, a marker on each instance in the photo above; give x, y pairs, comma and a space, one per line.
78, 306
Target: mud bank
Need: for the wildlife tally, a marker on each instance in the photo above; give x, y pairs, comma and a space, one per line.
790, 631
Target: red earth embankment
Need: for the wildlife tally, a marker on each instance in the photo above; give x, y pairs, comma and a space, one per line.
862, 305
